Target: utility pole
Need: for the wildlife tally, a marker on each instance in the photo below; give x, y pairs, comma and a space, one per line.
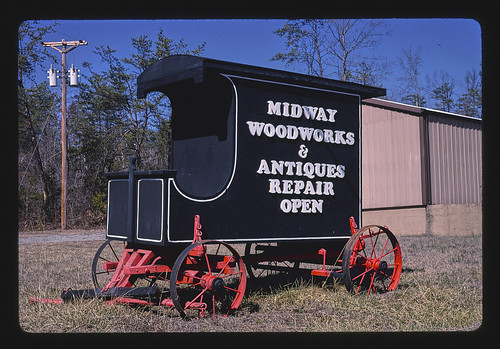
64, 47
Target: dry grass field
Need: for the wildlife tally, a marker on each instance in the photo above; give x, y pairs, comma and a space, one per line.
440, 290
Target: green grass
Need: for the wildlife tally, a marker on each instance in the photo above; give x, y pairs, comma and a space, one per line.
440, 290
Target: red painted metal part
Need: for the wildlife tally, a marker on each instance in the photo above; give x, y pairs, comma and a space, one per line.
109, 265
34, 300
197, 229
322, 272
353, 225
129, 260
126, 300
146, 269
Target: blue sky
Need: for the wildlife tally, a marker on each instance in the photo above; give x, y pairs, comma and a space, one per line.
453, 45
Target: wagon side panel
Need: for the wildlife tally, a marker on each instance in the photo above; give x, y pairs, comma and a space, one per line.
296, 173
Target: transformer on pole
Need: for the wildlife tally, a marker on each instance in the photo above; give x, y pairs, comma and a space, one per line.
52, 76
73, 76
64, 47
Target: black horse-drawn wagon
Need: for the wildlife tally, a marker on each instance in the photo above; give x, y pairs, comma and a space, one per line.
269, 163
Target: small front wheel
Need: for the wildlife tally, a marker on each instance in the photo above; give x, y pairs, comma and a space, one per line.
372, 261
105, 262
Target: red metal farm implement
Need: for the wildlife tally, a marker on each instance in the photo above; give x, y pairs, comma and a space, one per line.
210, 276
270, 161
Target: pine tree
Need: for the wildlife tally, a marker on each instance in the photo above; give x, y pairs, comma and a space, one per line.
442, 87
470, 102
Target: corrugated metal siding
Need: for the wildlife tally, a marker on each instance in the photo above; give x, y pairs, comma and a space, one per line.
391, 158
454, 160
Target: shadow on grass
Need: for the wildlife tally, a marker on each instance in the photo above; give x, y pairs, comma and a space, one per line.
281, 282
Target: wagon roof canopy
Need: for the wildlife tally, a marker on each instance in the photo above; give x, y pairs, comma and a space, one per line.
177, 68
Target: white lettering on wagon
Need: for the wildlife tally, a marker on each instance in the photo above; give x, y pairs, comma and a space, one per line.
296, 111
258, 129
301, 178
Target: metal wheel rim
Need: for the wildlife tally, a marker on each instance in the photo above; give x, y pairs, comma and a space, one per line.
372, 261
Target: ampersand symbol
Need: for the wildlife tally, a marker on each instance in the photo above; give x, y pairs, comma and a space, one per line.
303, 151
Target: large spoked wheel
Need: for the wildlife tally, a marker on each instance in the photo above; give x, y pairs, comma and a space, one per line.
208, 276
266, 267
105, 262
372, 261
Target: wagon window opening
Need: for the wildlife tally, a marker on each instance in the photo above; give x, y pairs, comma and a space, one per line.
203, 135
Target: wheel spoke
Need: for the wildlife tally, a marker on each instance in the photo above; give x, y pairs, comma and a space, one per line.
113, 250
231, 289
383, 283
192, 276
364, 257
372, 283
361, 283
206, 259
187, 287
231, 274
213, 301
381, 272
224, 267
198, 296
363, 250
217, 252
388, 252
383, 249
363, 273
373, 246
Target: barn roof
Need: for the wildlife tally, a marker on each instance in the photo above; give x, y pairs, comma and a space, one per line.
177, 68
419, 111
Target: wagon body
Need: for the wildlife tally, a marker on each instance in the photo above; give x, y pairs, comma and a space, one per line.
260, 154
263, 157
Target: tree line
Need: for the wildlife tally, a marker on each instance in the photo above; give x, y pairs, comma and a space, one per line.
342, 49
106, 122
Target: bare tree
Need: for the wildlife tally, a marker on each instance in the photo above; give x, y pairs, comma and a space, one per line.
306, 45
320, 45
410, 62
348, 38
37, 191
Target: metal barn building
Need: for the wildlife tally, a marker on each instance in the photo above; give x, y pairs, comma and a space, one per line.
421, 169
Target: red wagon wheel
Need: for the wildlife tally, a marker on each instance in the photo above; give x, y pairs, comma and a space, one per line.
208, 275
372, 260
